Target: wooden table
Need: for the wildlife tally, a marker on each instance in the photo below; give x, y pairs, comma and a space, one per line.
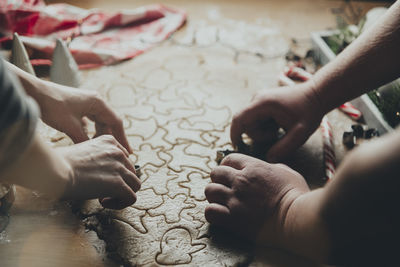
44, 233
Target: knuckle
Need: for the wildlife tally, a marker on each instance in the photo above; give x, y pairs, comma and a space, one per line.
241, 183
116, 154
120, 168
130, 179
108, 138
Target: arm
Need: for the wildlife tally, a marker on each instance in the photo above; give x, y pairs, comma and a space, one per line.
98, 168
354, 219
358, 209
370, 61
63, 108
39, 169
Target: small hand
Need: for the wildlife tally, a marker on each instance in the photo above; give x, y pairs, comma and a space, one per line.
248, 195
64, 109
101, 168
295, 109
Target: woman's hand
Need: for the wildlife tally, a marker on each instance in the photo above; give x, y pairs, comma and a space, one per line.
295, 109
64, 109
251, 197
101, 169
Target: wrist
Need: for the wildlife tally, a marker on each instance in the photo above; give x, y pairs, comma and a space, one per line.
304, 231
276, 231
40, 168
316, 97
67, 175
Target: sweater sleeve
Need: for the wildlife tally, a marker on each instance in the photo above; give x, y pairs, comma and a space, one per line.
18, 117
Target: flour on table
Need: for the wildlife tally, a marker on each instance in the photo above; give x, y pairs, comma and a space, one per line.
177, 102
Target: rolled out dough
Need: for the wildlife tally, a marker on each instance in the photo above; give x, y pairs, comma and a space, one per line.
177, 102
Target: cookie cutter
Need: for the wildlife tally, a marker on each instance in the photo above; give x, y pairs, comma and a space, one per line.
221, 154
138, 170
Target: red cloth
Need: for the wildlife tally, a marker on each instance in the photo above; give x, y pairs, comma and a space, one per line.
96, 37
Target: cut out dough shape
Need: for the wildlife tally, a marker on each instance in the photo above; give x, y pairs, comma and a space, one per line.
196, 185
157, 180
211, 119
177, 247
172, 207
177, 102
177, 135
147, 199
179, 159
149, 155
174, 187
144, 128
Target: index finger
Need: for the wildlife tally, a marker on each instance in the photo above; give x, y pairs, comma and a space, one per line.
118, 197
223, 175
237, 129
101, 113
243, 120
116, 203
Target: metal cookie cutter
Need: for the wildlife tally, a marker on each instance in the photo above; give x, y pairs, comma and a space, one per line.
357, 135
138, 170
221, 154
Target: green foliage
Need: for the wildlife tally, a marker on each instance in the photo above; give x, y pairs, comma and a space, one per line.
347, 34
388, 104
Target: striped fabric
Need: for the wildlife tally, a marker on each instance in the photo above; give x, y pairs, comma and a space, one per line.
94, 37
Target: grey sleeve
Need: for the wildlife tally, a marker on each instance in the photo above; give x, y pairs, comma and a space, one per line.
18, 117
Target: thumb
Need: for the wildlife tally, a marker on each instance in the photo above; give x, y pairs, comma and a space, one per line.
293, 139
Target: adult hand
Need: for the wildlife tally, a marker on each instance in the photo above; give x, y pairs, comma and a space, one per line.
64, 109
250, 196
295, 109
101, 168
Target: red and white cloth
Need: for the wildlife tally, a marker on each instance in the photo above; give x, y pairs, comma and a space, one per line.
328, 148
94, 37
